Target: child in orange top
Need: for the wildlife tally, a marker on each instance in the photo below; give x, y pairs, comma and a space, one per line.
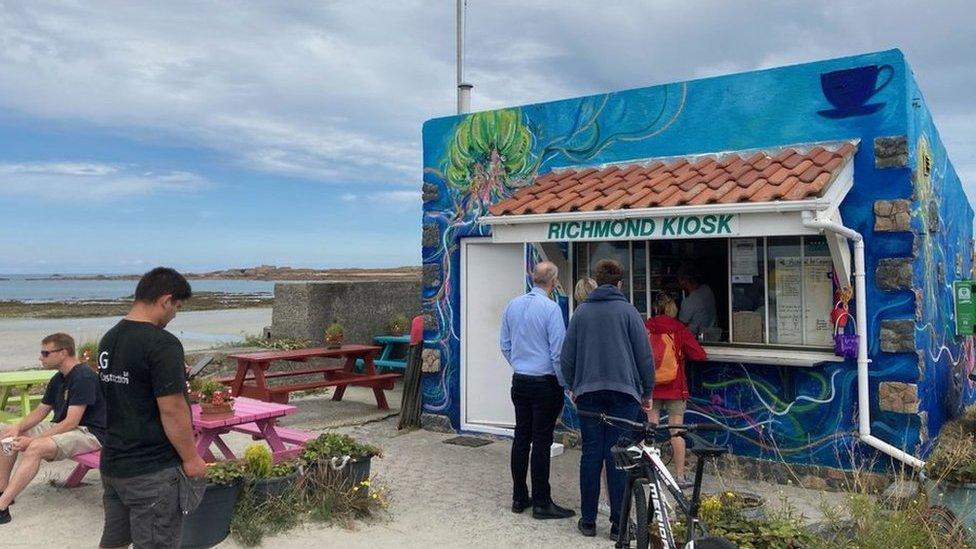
673, 395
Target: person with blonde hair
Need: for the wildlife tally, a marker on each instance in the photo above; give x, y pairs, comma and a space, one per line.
584, 287
664, 329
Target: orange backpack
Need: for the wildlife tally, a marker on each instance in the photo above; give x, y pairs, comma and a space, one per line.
666, 358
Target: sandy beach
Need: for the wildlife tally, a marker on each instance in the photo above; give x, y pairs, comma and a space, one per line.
20, 337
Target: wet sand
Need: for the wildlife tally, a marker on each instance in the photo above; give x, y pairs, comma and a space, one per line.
20, 338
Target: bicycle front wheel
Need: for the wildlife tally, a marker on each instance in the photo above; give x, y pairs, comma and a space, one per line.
641, 522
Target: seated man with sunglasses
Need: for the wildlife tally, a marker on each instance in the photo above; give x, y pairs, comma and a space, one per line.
78, 424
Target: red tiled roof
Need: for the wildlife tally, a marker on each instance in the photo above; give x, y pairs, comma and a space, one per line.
789, 173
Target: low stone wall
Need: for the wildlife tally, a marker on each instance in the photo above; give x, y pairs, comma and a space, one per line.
305, 309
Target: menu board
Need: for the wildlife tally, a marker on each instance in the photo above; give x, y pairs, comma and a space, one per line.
818, 290
745, 257
804, 293
789, 301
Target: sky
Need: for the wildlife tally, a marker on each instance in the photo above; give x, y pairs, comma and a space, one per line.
206, 135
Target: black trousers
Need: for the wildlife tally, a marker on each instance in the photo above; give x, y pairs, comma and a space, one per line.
538, 402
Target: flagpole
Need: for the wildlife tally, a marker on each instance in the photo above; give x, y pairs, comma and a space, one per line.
463, 88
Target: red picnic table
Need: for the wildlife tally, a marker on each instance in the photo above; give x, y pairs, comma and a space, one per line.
252, 417
254, 367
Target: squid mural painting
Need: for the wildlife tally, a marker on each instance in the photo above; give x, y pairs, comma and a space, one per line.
918, 376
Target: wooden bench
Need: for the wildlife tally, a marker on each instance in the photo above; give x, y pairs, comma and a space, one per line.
86, 462
291, 436
271, 375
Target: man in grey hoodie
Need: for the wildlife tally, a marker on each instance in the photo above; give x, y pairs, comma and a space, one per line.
607, 364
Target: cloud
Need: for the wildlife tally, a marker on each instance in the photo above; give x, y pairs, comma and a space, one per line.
348, 197
91, 181
337, 92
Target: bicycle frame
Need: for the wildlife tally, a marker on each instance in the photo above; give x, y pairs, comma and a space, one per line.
656, 474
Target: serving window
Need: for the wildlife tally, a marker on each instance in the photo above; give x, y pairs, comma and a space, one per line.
769, 291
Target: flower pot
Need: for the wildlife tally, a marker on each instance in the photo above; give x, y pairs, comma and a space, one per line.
347, 472
209, 524
223, 410
751, 506
958, 498
273, 487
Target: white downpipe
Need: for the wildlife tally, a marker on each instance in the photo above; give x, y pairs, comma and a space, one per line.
861, 319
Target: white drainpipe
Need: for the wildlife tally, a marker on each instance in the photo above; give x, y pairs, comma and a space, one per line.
861, 318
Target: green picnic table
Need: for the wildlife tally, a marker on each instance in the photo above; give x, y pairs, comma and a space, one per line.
15, 389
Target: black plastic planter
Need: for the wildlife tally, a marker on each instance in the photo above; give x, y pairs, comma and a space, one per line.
209, 524
276, 487
350, 474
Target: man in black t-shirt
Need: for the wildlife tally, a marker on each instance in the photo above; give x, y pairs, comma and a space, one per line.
149, 434
77, 427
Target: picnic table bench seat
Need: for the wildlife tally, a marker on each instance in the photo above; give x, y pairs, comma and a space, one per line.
86, 462
253, 368
289, 373
292, 436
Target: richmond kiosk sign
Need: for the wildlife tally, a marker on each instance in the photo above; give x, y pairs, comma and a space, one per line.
679, 226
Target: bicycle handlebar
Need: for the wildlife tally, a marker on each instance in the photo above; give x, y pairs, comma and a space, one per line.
651, 427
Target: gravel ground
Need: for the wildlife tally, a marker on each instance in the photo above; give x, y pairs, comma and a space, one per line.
441, 495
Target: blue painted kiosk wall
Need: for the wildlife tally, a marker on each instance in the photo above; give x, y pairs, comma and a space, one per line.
475, 160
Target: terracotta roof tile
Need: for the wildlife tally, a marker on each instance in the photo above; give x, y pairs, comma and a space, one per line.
793, 160
788, 173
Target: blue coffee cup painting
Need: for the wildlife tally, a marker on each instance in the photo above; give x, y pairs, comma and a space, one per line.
850, 89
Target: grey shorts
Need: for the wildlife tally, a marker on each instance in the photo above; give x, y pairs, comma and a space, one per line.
143, 510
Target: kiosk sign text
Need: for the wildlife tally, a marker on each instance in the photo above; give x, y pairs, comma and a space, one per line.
679, 226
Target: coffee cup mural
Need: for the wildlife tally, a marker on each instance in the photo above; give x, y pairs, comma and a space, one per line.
849, 90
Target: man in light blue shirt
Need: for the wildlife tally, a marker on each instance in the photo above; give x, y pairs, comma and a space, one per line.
531, 339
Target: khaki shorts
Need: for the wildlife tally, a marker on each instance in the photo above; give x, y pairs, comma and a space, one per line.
675, 408
70, 444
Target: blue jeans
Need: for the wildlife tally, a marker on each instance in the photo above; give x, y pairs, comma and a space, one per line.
598, 438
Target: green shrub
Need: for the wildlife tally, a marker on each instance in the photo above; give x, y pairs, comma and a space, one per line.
280, 344
225, 472
398, 324
330, 445
953, 458
258, 460
88, 354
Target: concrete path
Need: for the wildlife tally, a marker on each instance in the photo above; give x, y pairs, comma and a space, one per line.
442, 495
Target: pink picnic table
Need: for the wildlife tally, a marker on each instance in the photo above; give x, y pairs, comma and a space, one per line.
262, 415
253, 417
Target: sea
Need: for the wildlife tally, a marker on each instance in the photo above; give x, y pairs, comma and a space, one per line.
41, 288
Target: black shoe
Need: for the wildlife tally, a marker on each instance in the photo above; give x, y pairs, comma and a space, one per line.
588, 530
4, 516
551, 511
519, 506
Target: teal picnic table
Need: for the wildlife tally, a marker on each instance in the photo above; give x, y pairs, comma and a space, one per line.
15, 388
394, 353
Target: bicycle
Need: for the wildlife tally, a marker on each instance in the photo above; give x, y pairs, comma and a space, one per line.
641, 459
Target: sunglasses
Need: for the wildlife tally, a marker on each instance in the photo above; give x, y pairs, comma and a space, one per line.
46, 354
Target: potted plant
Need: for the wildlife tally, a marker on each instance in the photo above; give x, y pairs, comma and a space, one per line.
398, 324
209, 524
750, 506
214, 398
334, 335
266, 478
89, 354
338, 457
950, 470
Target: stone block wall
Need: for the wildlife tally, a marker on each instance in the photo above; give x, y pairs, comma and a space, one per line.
305, 309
